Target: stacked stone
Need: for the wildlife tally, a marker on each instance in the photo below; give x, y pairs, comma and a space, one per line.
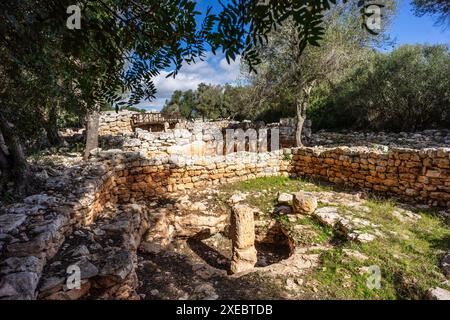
419, 174
242, 229
113, 123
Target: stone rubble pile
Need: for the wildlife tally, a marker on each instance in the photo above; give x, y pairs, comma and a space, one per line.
407, 173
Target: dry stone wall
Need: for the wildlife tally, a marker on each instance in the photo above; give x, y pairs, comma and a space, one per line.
210, 134
112, 123
416, 174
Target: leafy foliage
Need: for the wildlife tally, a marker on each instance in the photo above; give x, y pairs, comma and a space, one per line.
404, 90
210, 102
440, 8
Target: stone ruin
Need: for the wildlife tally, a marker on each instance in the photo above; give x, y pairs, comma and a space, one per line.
96, 215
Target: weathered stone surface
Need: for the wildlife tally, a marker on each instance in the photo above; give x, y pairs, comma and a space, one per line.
328, 215
242, 226
304, 203
298, 263
118, 265
438, 294
152, 248
445, 264
285, 198
51, 284
88, 270
72, 294
243, 259
9, 222
22, 264
405, 215
19, 286
242, 232
347, 224
237, 197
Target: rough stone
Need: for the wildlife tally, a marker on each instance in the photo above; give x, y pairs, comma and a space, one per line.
285, 199
9, 222
304, 203
243, 239
445, 264
438, 294
19, 286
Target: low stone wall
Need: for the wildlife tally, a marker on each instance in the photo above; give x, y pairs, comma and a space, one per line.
422, 175
136, 177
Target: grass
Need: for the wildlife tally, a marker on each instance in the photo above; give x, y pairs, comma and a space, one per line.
407, 255
267, 190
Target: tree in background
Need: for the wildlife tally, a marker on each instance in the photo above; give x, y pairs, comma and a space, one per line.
212, 102
405, 90
286, 71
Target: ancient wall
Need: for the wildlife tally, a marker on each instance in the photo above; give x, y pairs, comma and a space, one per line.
113, 123
117, 123
416, 174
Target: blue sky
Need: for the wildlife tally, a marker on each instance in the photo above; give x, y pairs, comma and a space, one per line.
409, 29
405, 29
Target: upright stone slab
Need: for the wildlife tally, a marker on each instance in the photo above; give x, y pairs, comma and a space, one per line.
243, 239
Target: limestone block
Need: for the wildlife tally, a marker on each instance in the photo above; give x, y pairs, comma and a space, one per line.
304, 203
243, 238
243, 259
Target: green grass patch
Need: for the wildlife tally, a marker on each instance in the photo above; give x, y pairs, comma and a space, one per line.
408, 257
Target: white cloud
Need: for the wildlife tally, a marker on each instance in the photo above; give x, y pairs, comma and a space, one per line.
213, 70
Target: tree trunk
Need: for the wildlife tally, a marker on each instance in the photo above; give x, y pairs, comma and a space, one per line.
299, 128
92, 124
301, 114
51, 128
17, 164
302, 106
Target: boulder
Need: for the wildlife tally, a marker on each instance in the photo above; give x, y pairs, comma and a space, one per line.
445, 264
285, 198
438, 294
304, 203
19, 286
9, 222
243, 259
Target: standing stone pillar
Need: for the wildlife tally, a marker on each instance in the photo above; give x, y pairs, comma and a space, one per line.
243, 239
